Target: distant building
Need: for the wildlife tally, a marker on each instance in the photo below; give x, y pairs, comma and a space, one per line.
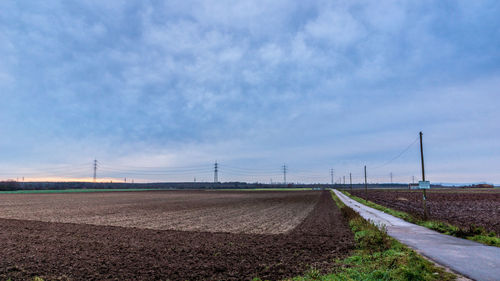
482, 185
413, 186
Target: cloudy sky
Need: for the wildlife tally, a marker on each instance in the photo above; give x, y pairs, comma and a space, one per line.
160, 90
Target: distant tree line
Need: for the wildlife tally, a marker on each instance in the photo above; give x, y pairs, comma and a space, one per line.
483, 185
9, 185
14, 185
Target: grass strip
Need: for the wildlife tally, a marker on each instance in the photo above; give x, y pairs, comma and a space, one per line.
474, 233
377, 257
76, 190
264, 189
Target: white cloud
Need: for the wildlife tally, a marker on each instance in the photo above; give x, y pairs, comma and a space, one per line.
271, 53
337, 27
267, 81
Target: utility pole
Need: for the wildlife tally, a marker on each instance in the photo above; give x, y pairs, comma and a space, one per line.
95, 170
331, 175
423, 176
350, 180
284, 173
366, 185
216, 172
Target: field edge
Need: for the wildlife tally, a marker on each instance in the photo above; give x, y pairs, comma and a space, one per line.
378, 256
476, 234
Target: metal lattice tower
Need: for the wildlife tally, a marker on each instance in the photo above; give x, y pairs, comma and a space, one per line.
95, 170
284, 173
216, 172
331, 175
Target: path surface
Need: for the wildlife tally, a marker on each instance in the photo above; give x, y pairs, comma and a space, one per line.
471, 259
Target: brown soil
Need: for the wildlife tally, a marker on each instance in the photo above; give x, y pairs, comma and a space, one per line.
270, 212
89, 252
458, 208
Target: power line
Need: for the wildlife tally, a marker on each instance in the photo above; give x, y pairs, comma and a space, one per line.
152, 171
251, 172
231, 167
397, 156
155, 173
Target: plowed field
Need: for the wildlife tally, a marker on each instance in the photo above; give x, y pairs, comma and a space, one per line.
458, 207
232, 235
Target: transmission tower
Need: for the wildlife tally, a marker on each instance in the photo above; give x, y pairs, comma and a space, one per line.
284, 173
331, 175
216, 172
95, 170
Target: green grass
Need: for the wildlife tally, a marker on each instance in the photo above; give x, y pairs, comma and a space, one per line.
75, 190
474, 233
377, 257
264, 189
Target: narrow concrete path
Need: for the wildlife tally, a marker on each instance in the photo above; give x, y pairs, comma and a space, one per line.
468, 258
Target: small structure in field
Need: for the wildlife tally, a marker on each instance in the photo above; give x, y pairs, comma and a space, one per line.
413, 186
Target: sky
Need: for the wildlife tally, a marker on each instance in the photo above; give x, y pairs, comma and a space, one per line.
160, 90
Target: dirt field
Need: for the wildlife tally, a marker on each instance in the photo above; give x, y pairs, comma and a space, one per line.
458, 207
55, 250
270, 212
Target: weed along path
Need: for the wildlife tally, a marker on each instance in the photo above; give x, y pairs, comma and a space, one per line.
471, 259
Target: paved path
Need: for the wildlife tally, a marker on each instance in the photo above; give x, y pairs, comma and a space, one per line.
471, 259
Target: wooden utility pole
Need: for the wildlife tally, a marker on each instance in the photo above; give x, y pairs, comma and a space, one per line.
423, 176
366, 184
350, 180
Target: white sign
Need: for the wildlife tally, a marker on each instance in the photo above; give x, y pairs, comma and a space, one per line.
424, 184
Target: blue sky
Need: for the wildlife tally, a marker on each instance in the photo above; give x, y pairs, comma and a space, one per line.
175, 85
